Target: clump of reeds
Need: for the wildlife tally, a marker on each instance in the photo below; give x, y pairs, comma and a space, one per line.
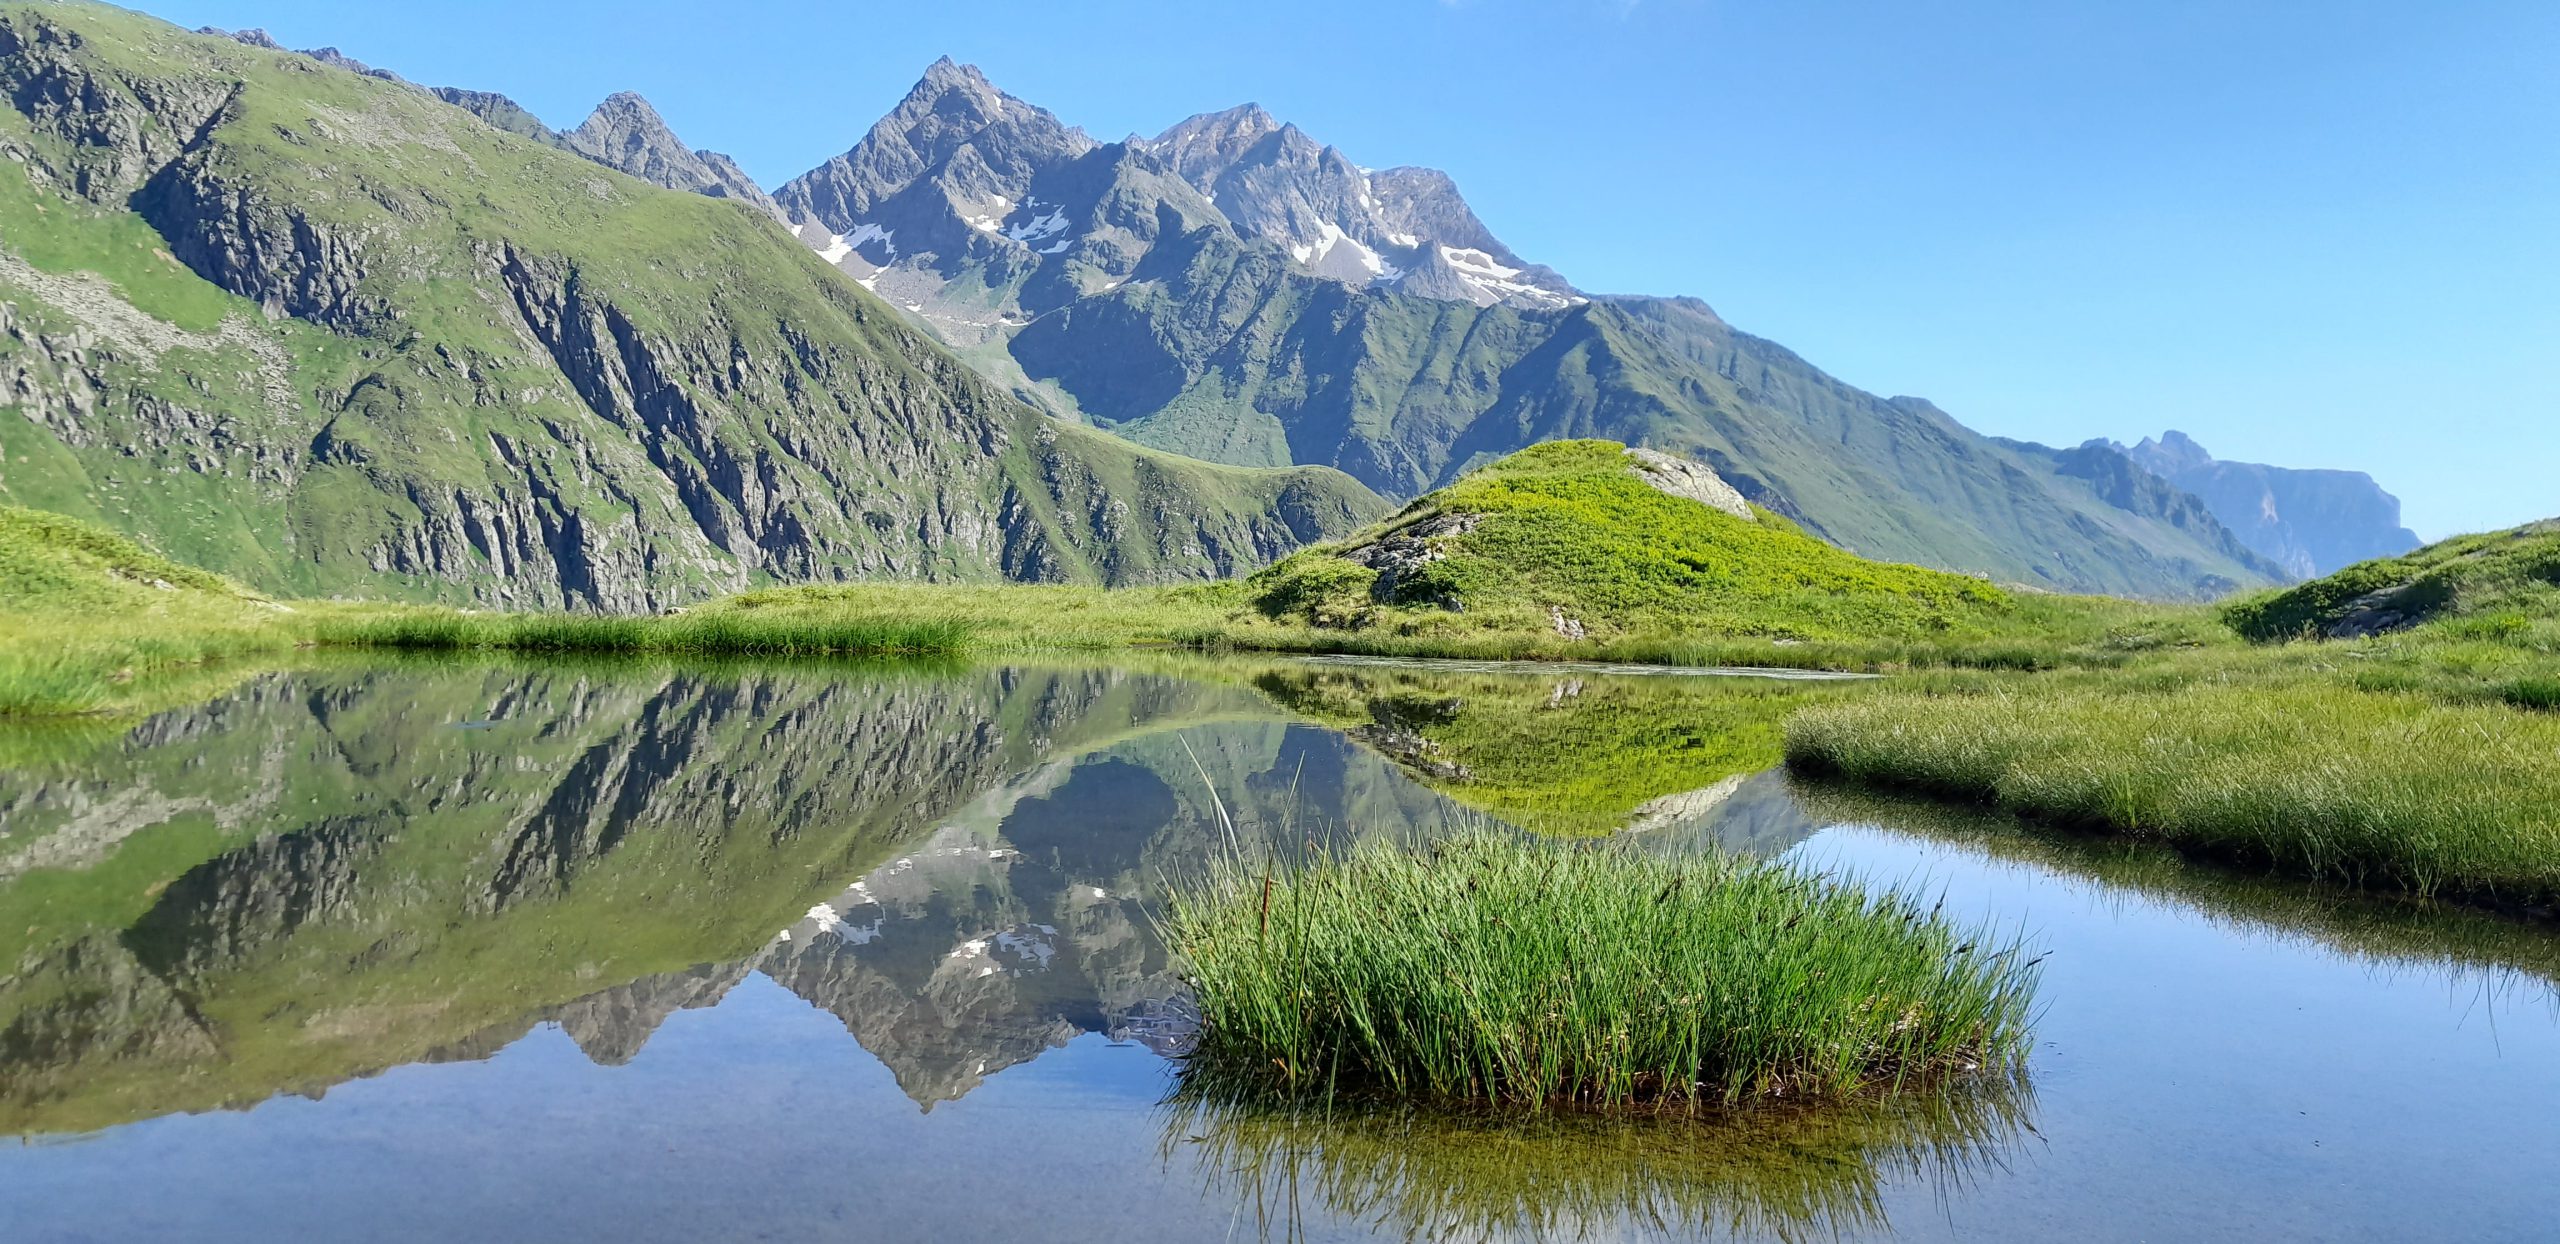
1494, 968
725, 633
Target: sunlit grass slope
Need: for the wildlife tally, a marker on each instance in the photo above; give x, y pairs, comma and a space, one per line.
86, 615
2425, 756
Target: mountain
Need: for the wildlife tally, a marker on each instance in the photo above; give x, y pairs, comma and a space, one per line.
1234, 290
626, 133
1402, 227
324, 332
2309, 522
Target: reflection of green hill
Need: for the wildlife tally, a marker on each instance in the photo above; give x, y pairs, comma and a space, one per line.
1569, 753
327, 874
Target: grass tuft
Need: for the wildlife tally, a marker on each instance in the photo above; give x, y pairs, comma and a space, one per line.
1490, 968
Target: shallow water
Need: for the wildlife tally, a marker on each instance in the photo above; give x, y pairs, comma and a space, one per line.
638, 952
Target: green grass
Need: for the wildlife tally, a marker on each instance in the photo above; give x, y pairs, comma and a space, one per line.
1565, 529
1571, 529
2502, 583
2424, 759
724, 634
96, 622
2291, 768
1494, 969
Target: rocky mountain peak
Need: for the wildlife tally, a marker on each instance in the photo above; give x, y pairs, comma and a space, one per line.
626, 121
2172, 452
947, 74
1404, 227
1197, 148
625, 132
947, 176
255, 36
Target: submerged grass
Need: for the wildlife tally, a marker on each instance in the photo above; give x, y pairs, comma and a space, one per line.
1490, 968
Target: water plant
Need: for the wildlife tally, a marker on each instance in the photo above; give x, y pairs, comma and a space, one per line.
1493, 968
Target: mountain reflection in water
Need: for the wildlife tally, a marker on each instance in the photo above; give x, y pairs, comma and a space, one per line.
361, 869
646, 951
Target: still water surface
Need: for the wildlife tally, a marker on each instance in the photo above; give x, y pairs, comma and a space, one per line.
497, 952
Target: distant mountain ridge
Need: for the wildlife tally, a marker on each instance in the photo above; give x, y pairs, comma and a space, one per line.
624, 132
2310, 522
1234, 290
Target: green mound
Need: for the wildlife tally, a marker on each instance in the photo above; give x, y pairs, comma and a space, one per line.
1575, 536
2503, 582
91, 621
50, 561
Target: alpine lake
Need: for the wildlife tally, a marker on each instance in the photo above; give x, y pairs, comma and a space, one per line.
487, 950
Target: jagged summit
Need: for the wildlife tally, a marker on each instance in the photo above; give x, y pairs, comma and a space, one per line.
965, 183
1407, 228
625, 132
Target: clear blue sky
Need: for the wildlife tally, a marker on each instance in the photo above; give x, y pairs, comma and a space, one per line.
2315, 234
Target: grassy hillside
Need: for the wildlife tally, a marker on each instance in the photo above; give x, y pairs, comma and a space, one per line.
1561, 552
2503, 581
93, 620
328, 334
1571, 533
2424, 755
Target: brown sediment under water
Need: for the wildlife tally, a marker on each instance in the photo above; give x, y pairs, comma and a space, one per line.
649, 950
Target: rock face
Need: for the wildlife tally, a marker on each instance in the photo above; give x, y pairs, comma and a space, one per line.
309, 364
1681, 477
2113, 477
2311, 522
963, 190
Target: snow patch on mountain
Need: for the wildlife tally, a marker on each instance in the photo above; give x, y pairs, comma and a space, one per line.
1499, 281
